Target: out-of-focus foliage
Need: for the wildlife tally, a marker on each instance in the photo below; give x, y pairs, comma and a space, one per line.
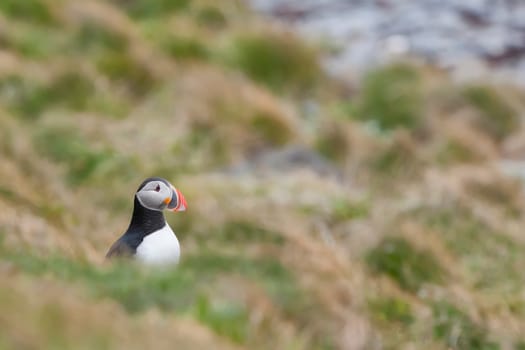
323, 214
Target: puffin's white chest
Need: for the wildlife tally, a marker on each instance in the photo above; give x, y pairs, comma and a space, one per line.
159, 248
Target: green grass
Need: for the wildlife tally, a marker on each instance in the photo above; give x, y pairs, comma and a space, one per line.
34, 42
344, 209
243, 231
30, 99
93, 37
184, 290
398, 160
143, 9
228, 319
272, 129
71, 89
409, 267
28, 10
491, 258
278, 61
184, 48
332, 143
454, 152
211, 17
125, 72
23, 98
391, 310
458, 331
65, 146
498, 118
391, 98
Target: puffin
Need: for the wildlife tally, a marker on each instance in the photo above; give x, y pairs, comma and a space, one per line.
149, 239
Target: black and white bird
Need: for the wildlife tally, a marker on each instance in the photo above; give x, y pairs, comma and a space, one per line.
149, 238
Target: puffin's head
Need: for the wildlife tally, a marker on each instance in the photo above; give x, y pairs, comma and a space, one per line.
156, 193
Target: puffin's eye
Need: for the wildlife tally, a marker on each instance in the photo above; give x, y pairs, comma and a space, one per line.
157, 189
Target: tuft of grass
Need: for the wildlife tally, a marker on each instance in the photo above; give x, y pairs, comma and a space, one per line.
458, 331
278, 281
390, 98
505, 194
135, 289
184, 48
244, 232
211, 17
344, 209
271, 128
228, 319
28, 10
498, 118
24, 98
399, 159
33, 42
455, 152
29, 99
203, 138
138, 289
332, 142
65, 146
124, 71
95, 37
492, 258
71, 89
143, 9
278, 61
408, 266
391, 310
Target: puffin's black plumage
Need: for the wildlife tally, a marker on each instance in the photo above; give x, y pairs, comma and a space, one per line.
144, 221
148, 218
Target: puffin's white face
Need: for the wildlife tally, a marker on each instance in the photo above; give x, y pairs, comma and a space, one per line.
160, 195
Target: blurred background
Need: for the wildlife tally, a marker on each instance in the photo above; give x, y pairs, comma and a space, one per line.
353, 169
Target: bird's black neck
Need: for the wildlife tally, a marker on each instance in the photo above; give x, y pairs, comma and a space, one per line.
145, 221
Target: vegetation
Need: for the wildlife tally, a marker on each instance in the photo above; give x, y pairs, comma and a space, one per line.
322, 214
396, 258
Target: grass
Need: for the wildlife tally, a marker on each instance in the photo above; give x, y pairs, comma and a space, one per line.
491, 258
391, 310
139, 290
498, 118
278, 61
390, 98
243, 231
408, 266
143, 9
332, 142
184, 48
455, 152
92, 37
30, 99
37, 43
23, 97
271, 128
458, 331
344, 209
227, 319
272, 258
397, 159
67, 147
211, 17
34, 11
126, 73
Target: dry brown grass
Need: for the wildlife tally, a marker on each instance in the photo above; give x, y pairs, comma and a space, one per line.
62, 316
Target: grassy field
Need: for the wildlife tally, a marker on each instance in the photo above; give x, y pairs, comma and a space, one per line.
367, 213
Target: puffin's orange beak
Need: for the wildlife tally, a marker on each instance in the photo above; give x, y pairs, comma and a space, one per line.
177, 202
